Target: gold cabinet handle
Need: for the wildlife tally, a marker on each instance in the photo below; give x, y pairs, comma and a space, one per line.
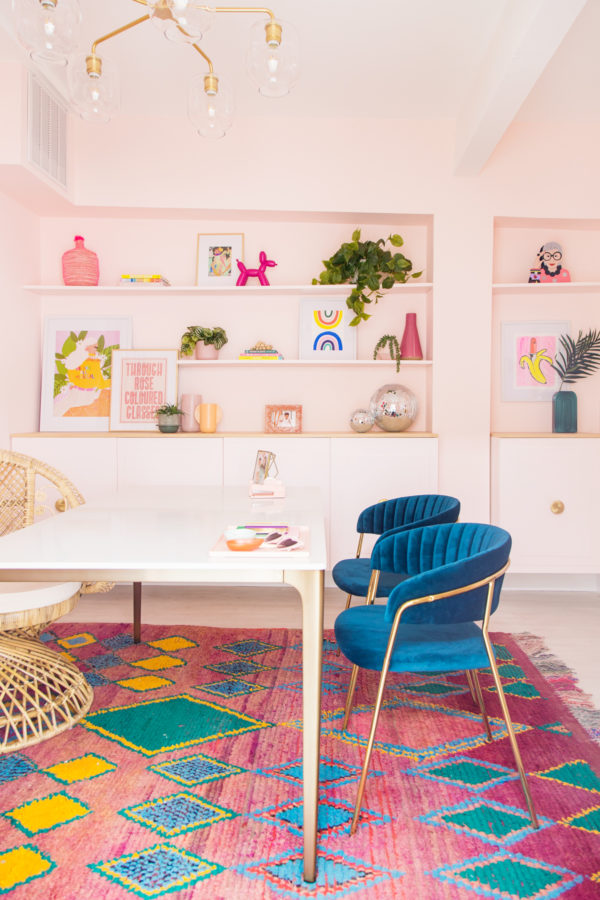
60, 505
557, 507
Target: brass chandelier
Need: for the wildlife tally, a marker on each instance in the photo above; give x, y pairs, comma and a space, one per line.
49, 30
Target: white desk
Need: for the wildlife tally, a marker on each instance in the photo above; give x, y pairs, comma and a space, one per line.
164, 534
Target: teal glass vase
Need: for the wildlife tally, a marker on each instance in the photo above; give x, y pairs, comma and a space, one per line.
564, 412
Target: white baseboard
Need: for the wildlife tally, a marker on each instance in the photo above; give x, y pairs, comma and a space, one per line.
554, 582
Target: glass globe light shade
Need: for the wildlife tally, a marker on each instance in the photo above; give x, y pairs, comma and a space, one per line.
211, 112
273, 66
94, 97
194, 17
47, 28
394, 407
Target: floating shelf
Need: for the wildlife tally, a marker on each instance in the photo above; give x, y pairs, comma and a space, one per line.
149, 290
547, 287
302, 362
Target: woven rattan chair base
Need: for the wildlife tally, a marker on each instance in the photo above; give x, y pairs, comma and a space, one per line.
41, 693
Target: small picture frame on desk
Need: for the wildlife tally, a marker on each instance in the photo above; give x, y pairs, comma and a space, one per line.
216, 259
143, 380
283, 419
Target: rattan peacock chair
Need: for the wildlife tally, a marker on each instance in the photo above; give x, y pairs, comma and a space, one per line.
41, 693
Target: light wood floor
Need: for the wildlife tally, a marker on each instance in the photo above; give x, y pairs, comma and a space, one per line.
569, 623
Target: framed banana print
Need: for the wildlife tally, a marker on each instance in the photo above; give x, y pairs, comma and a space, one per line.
216, 259
143, 380
528, 351
77, 370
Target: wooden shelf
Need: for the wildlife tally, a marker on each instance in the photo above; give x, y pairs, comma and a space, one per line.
162, 290
369, 435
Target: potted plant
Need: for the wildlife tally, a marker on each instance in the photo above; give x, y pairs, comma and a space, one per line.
576, 359
167, 416
393, 348
205, 343
371, 267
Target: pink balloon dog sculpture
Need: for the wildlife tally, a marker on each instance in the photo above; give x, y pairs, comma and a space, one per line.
259, 273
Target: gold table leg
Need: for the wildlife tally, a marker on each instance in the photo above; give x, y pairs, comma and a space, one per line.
310, 587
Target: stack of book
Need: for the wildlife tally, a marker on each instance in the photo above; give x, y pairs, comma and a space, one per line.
261, 351
144, 279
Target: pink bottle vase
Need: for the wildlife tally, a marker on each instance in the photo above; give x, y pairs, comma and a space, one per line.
79, 265
410, 345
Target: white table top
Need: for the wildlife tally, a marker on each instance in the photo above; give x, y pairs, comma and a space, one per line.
162, 534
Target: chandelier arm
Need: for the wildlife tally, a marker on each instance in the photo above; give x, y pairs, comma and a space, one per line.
202, 53
112, 34
253, 9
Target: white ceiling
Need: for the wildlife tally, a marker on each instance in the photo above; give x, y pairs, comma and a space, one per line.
483, 63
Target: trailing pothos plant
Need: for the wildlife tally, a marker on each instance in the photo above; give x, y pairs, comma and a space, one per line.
577, 358
370, 267
391, 342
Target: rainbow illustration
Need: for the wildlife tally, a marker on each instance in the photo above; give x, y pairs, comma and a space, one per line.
328, 318
328, 340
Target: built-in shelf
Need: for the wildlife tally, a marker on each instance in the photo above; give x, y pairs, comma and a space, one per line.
546, 287
264, 290
302, 362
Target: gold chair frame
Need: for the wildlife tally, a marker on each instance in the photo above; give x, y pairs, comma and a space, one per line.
472, 678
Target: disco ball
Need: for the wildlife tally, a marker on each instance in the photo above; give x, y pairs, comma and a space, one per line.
361, 420
394, 407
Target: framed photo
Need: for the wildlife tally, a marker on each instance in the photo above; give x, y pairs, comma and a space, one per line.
216, 259
325, 331
528, 351
142, 381
264, 465
77, 370
283, 419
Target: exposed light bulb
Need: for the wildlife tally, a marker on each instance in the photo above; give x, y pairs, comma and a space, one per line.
273, 58
48, 29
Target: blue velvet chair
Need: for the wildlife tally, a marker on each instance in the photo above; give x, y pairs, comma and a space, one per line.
436, 620
390, 516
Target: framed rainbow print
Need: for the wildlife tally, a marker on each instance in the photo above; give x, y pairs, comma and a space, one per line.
325, 331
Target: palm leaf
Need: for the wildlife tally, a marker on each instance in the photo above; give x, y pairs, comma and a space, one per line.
577, 358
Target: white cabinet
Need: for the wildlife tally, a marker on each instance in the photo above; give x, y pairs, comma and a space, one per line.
366, 471
546, 494
90, 462
172, 460
352, 472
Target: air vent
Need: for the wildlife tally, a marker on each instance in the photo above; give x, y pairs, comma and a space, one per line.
46, 132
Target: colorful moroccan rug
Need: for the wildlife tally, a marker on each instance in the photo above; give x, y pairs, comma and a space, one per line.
185, 779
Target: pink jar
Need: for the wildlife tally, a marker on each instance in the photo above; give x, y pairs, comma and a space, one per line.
79, 265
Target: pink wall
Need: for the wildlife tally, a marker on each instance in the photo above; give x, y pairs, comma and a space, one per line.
385, 169
20, 333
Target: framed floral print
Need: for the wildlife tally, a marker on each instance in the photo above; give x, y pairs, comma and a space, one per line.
77, 370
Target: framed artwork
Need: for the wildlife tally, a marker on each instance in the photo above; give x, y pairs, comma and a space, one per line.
528, 351
264, 466
142, 381
216, 259
283, 419
325, 331
77, 370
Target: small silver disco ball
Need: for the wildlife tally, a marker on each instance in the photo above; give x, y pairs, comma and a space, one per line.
394, 407
361, 420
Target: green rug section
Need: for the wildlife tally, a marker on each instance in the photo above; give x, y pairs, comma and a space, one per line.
577, 773
524, 880
169, 723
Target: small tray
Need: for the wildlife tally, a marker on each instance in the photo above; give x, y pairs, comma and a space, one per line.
300, 533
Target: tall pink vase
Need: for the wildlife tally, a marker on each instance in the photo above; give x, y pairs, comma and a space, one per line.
410, 345
80, 265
